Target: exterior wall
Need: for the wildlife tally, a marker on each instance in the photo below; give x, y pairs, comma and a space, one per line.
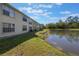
18, 21
0, 20
28, 25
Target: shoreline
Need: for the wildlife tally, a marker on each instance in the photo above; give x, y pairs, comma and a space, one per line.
66, 29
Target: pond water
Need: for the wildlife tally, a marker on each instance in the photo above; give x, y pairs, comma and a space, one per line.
67, 41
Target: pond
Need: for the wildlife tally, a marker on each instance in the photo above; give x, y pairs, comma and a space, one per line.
67, 41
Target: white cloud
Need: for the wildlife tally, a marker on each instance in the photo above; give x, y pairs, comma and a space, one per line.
45, 5
29, 4
31, 10
65, 17
36, 12
41, 5
53, 18
34, 17
24, 8
45, 14
65, 12
73, 14
59, 4
76, 14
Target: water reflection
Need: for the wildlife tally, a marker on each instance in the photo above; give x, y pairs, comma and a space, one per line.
65, 40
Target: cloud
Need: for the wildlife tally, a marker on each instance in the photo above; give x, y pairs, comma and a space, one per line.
29, 4
45, 13
59, 4
65, 12
45, 6
65, 17
53, 18
40, 5
75, 14
34, 17
31, 10
36, 12
24, 8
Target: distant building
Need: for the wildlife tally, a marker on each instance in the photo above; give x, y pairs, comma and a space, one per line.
14, 22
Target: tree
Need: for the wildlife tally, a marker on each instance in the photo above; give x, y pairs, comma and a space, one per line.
70, 22
51, 26
61, 24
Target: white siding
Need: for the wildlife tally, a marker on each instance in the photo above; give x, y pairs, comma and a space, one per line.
17, 20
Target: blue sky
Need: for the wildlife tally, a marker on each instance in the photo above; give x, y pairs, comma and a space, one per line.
45, 13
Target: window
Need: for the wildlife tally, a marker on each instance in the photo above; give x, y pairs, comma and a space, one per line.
30, 28
30, 23
8, 11
24, 27
8, 27
12, 13
24, 19
5, 12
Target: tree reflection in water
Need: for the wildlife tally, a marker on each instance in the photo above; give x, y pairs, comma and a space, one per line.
66, 40
71, 36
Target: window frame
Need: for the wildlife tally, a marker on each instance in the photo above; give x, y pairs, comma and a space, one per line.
7, 27
24, 28
24, 19
5, 12
11, 12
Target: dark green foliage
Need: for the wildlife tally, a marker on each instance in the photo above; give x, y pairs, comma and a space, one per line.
70, 22
11, 42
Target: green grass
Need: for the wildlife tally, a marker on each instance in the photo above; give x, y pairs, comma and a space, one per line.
34, 47
74, 29
9, 43
66, 29
27, 44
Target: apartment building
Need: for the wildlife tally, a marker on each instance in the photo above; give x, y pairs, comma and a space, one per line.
14, 22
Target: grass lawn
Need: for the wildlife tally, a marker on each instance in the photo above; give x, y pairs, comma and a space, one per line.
11, 42
74, 29
27, 44
71, 29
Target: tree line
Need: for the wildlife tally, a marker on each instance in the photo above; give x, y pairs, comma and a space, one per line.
70, 22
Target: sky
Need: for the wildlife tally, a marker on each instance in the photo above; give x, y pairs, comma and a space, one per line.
45, 13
